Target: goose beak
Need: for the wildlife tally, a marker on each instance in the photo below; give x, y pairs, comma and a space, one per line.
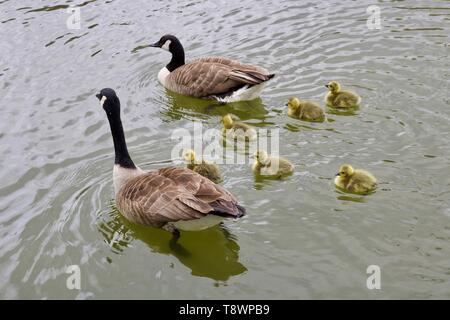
155, 45
99, 96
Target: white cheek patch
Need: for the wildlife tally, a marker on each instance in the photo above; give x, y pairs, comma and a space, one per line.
166, 45
102, 101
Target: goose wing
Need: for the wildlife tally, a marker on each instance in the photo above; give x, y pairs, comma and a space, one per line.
219, 198
173, 194
214, 76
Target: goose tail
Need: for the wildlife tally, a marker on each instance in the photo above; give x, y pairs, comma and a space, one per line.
228, 211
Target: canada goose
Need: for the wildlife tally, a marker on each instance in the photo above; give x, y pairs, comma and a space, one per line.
355, 180
305, 110
237, 130
267, 165
341, 99
217, 78
206, 169
170, 198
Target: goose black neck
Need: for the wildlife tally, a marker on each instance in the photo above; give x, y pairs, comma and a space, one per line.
177, 56
123, 158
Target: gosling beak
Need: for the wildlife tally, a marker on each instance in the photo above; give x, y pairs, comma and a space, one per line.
327, 86
154, 45
337, 174
99, 96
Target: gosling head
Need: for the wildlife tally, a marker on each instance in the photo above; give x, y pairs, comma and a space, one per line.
345, 171
333, 86
109, 101
293, 103
262, 157
227, 121
189, 156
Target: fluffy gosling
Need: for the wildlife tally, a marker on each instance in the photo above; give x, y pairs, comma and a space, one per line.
305, 110
355, 180
341, 99
237, 130
266, 165
206, 169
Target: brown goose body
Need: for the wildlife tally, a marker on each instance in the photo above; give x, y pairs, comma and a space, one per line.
174, 194
167, 198
210, 77
214, 77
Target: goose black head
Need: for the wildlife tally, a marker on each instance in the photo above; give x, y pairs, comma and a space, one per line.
109, 101
167, 42
173, 45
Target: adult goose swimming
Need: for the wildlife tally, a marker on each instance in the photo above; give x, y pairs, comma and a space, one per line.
219, 78
170, 198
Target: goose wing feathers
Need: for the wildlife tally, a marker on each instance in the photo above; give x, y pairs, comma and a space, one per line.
173, 194
214, 76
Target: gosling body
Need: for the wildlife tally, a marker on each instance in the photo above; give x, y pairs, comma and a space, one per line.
355, 180
341, 99
237, 130
269, 166
305, 110
203, 168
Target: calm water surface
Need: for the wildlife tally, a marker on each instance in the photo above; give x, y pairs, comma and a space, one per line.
301, 238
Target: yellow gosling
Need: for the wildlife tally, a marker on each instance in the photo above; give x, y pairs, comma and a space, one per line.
341, 99
305, 110
206, 169
237, 130
275, 167
355, 180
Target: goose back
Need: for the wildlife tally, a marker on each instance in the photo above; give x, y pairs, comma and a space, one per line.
173, 194
214, 76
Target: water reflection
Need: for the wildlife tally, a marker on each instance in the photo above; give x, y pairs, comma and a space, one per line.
212, 253
345, 195
343, 112
180, 106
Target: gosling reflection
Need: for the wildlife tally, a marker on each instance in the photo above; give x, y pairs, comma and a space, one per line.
180, 106
212, 253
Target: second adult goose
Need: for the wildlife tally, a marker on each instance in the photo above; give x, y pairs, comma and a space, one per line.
171, 198
217, 78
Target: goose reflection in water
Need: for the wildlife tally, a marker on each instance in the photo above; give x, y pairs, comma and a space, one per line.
179, 106
212, 253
